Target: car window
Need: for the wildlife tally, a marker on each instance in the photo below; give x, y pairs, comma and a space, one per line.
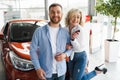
22, 32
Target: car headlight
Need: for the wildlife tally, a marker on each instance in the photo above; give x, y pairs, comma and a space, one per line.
19, 63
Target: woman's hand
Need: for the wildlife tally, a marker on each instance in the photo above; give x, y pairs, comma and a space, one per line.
68, 46
60, 56
75, 34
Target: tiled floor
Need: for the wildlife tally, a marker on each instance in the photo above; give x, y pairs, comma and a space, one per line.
2, 71
113, 73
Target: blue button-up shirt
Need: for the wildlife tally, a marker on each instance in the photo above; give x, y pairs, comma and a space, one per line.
41, 50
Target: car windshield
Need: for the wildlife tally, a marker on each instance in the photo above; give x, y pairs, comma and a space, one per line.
22, 32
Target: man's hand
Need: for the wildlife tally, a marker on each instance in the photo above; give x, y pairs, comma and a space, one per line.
41, 74
60, 57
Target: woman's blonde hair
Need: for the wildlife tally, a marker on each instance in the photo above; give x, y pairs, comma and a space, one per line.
69, 15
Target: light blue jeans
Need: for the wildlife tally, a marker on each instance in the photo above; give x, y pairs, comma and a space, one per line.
55, 77
77, 67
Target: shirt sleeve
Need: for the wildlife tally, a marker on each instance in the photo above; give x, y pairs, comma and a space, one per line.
68, 52
34, 50
75, 44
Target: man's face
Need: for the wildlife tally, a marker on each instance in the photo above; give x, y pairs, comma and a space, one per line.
55, 14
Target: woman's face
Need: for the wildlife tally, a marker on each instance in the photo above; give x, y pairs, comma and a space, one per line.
75, 19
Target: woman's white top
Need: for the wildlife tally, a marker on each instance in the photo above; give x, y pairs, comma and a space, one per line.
78, 43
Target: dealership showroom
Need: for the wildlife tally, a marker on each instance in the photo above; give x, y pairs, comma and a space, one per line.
103, 41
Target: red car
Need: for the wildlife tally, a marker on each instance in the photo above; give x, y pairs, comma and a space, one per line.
15, 38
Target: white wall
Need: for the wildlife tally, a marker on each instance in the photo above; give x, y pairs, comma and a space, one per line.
1, 19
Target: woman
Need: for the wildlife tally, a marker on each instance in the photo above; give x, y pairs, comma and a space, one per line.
78, 58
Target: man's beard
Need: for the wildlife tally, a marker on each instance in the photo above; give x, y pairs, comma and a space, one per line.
55, 21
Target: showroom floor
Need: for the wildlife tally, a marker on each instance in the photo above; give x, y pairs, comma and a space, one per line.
113, 73
96, 59
2, 71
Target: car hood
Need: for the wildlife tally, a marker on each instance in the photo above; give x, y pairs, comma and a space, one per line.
21, 49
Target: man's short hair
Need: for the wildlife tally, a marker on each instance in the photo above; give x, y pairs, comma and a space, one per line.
54, 5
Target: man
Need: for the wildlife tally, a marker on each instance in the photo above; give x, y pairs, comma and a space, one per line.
48, 47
